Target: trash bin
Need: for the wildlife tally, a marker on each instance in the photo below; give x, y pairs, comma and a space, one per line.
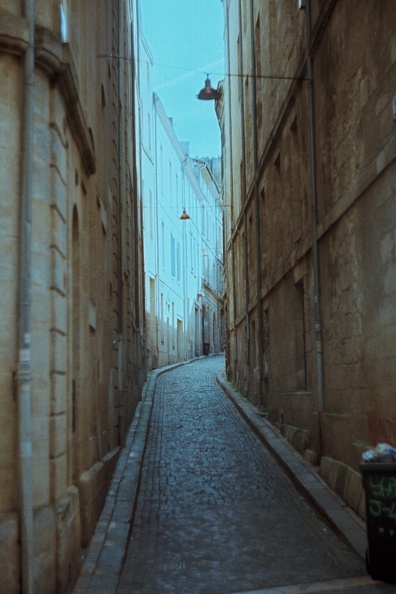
379, 482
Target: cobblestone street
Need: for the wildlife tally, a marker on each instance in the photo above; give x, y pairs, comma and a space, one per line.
215, 513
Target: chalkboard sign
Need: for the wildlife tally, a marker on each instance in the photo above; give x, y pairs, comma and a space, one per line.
379, 481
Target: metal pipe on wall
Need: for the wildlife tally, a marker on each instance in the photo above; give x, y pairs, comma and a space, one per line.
244, 186
140, 339
231, 198
120, 154
23, 373
158, 311
119, 174
315, 250
184, 271
257, 206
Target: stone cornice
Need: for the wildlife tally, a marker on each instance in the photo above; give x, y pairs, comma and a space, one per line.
55, 59
208, 289
14, 34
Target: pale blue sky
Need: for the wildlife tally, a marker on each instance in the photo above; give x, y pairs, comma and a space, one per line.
186, 40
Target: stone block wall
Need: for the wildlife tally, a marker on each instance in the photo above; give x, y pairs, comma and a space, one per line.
86, 373
354, 61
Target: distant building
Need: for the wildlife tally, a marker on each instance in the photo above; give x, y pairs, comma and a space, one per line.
71, 299
183, 257
309, 145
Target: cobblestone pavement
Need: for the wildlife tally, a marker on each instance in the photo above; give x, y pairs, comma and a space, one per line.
215, 512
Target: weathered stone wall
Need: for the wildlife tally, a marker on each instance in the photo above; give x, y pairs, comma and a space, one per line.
9, 224
86, 292
356, 169
358, 294
354, 61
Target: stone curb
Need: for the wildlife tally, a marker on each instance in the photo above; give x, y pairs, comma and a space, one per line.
104, 557
343, 521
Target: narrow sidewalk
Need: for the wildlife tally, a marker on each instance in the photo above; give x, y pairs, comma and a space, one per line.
105, 555
304, 476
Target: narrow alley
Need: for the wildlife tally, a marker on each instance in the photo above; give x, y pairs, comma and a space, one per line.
215, 513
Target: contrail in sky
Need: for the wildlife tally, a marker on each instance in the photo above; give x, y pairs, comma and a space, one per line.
203, 70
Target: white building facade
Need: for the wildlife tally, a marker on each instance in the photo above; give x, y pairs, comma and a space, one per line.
183, 256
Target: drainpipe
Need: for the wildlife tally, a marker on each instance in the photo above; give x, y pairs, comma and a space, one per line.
256, 205
158, 230
23, 373
245, 225
141, 336
119, 174
231, 199
187, 354
315, 253
120, 154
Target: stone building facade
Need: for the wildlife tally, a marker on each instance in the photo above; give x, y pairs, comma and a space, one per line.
183, 256
71, 330
308, 123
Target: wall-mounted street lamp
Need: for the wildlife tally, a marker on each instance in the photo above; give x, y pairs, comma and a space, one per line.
184, 215
210, 94
207, 93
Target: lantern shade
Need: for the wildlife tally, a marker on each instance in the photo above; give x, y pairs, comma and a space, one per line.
184, 215
207, 93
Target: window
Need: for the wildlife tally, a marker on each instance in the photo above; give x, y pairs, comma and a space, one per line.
149, 131
152, 302
162, 318
162, 165
253, 355
163, 244
178, 262
151, 210
299, 332
173, 256
173, 327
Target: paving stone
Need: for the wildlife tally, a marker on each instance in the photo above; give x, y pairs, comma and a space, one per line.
215, 512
